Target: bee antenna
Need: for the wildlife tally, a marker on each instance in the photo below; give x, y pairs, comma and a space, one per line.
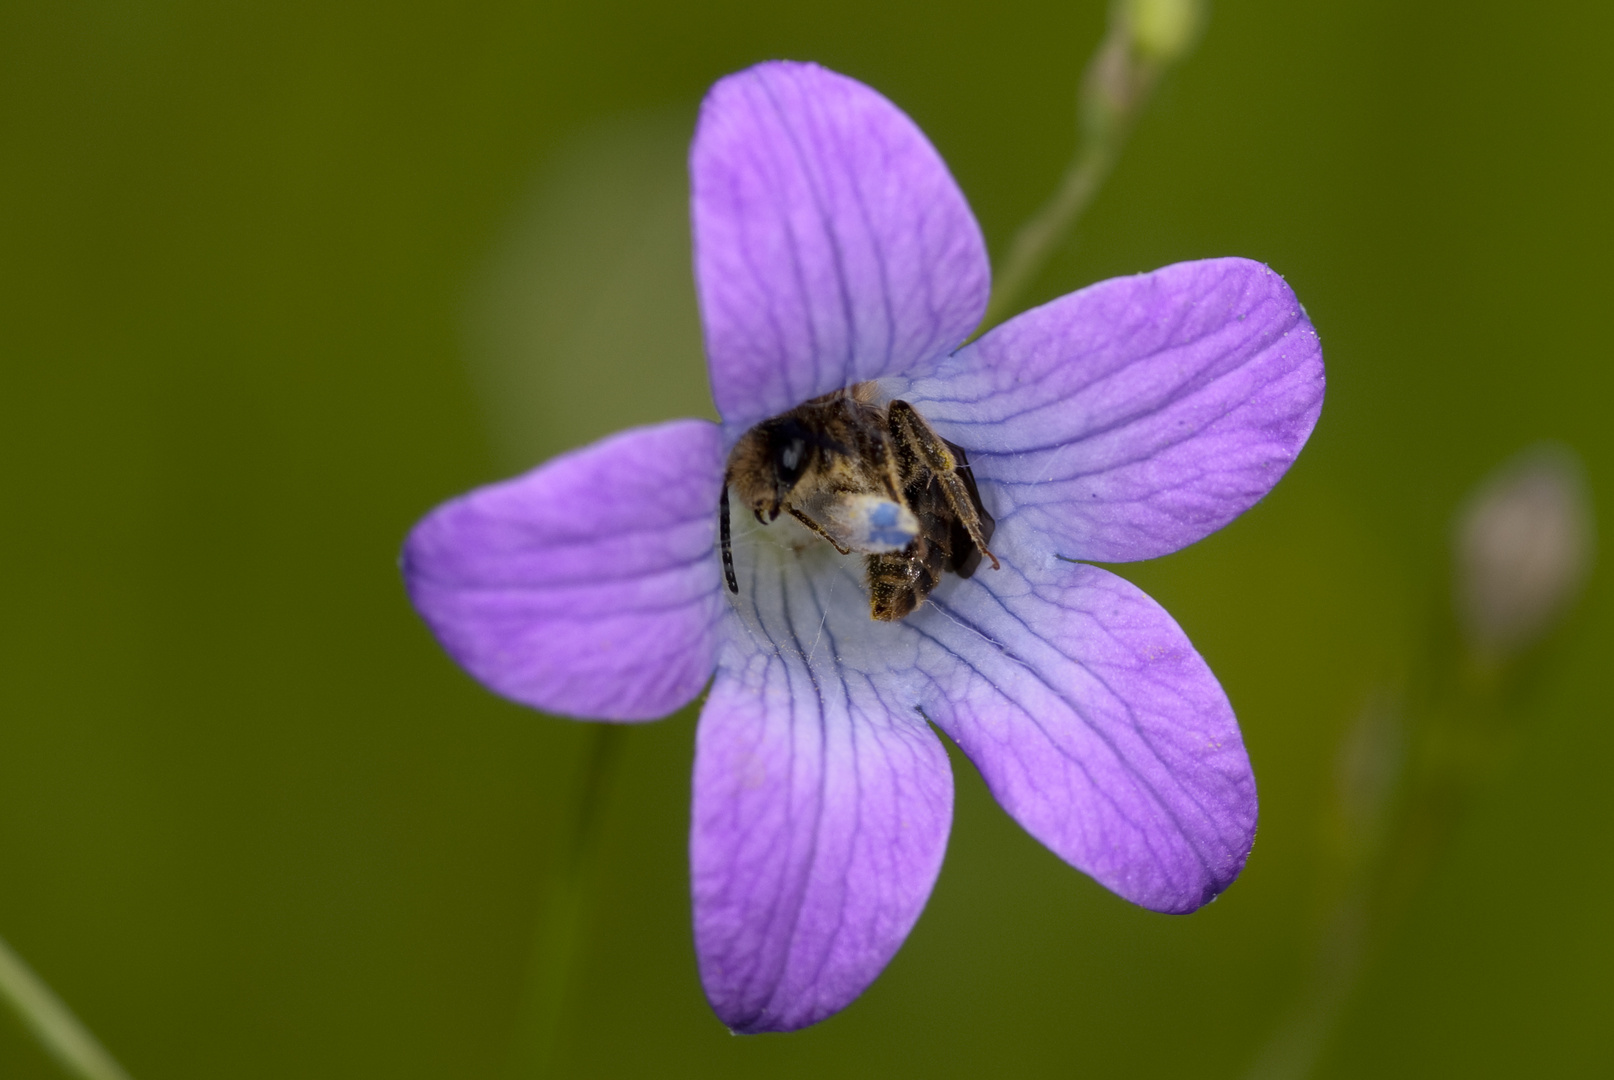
723, 532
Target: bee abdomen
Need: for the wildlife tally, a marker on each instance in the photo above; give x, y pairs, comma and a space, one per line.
894, 588
898, 583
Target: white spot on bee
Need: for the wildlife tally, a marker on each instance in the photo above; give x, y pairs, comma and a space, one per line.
870, 524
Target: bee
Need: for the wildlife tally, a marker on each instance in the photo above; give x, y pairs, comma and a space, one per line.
869, 479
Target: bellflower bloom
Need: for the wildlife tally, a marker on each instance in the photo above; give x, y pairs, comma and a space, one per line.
1121, 422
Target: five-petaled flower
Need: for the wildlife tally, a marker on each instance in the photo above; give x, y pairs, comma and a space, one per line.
1121, 422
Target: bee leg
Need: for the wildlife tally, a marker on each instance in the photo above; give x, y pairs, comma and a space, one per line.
819, 529
728, 549
889, 465
963, 556
917, 441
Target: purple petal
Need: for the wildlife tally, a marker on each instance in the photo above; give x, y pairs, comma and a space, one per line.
589, 586
1138, 415
822, 800
831, 243
1095, 724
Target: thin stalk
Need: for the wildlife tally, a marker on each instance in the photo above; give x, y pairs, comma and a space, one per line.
1043, 233
1461, 736
1115, 87
558, 940
1523, 544
64, 1037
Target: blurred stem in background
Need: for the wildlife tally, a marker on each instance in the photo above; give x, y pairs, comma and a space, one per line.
53, 1023
1412, 762
1145, 38
560, 931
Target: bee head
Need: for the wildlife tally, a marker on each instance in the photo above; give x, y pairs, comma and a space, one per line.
768, 462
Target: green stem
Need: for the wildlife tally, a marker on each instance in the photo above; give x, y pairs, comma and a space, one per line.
53, 1023
558, 939
1459, 744
1295, 1048
1043, 233
1115, 88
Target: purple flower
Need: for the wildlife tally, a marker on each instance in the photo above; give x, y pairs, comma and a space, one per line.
1120, 422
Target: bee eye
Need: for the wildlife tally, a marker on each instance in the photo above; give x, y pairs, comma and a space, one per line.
790, 450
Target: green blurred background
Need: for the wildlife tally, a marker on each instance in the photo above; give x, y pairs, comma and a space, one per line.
277, 278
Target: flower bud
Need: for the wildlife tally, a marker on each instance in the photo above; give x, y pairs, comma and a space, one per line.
1524, 543
1164, 30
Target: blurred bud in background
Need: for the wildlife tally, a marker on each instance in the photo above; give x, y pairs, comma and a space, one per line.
1164, 30
1144, 39
1524, 543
